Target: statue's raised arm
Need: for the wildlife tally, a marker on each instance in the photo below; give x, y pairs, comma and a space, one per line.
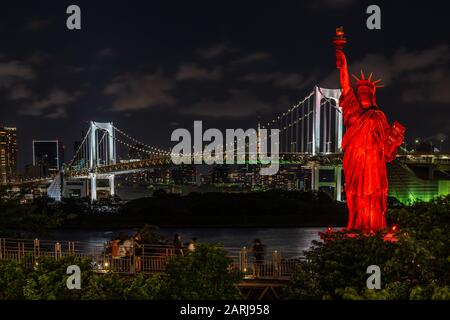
341, 64
341, 61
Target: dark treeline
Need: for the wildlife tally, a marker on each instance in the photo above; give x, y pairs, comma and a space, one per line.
271, 208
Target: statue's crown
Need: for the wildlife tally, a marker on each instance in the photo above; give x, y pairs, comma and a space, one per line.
367, 82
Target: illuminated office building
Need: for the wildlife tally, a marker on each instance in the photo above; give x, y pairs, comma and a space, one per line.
8, 155
49, 155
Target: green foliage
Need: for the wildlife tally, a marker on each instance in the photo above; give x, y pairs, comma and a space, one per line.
47, 280
203, 274
441, 293
150, 235
427, 226
339, 263
109, 286
415, 267
18, 217
12, 280
144, 287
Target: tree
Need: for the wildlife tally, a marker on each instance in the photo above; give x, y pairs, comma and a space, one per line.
47, 280
144, 287
17, 217
204, 274
150, 235
12, 280
414, 267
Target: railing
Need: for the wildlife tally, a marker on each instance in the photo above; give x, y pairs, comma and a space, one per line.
108, 257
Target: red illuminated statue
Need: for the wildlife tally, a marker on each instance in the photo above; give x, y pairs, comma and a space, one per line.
369, 142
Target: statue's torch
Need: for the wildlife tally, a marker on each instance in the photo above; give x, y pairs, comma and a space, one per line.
339, 40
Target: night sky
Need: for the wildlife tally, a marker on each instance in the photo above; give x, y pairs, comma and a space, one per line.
153, 66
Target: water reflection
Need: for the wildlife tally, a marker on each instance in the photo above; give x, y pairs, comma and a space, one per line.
291, 242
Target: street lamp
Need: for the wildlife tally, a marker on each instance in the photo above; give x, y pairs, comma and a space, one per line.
416, 143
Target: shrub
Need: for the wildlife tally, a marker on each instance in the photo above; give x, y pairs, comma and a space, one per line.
414, 267
202, 274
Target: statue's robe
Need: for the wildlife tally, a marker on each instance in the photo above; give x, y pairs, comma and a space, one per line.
366, 182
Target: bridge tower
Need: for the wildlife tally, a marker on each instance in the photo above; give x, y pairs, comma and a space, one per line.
319, 95
102, 151
320, 145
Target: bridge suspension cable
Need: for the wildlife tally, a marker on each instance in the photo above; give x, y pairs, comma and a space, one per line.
293, 136
141, 143
82, 150
152, 153
286, 122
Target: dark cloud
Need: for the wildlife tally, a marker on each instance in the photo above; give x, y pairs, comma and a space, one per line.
409, 60
332, 4
38, 58
37, 23
13, 71
216, 50
73, 69
20, 92
57, 113
427, 87
251, 58
239, 104
195, 72
281, 80
52, 105
136, 92
106, 52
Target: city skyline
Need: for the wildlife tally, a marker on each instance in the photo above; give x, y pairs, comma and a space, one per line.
179, 63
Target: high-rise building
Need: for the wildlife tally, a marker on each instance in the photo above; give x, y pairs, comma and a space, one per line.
8, 155
49, 155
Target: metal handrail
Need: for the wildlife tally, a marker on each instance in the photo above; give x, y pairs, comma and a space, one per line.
152, 259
